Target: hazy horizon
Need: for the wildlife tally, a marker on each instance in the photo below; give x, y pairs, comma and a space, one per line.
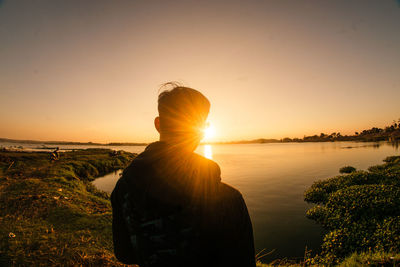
85, 71
202, 142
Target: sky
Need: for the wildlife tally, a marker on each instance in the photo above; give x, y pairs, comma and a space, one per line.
91, 70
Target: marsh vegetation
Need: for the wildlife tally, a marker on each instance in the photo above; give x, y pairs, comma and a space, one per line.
50, 213
361, 211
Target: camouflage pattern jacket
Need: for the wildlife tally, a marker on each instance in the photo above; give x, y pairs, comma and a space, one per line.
170, 208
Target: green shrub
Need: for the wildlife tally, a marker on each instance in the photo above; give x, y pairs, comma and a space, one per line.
361, 210
347, 169
320, 191
387, 235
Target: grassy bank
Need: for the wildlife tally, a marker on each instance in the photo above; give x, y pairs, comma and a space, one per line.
361, 211
50, 214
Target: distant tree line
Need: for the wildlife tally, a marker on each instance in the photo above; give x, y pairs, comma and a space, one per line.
389, 133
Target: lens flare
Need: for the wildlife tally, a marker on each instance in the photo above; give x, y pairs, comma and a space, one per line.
208, 153
209, 132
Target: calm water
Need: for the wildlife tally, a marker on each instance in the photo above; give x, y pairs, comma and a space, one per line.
273, 178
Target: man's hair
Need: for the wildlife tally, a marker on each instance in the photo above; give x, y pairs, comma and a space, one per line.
181, 109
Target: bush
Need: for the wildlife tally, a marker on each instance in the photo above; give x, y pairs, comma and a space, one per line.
320, 191
361, 210
347, 169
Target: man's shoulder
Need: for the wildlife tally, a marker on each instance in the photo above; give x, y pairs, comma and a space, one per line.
205, 164
228, 191
135, 168
138, 164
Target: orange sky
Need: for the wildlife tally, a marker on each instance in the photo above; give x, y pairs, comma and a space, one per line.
90, 71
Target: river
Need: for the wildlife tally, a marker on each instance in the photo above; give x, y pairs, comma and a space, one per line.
273, 178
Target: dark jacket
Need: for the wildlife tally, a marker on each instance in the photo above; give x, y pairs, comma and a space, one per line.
170, 208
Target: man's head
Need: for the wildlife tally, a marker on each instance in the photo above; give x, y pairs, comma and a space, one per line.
182, 115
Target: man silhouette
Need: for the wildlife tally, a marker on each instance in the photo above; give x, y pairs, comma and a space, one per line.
170, 207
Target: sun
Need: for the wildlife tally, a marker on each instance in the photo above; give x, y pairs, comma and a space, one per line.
209, 132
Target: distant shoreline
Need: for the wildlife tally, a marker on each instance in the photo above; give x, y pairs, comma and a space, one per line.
389, 133
68, 143
256, 141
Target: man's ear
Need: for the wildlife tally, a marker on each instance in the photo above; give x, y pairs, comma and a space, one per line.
157, 123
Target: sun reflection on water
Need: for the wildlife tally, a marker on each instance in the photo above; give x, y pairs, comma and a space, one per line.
208, 151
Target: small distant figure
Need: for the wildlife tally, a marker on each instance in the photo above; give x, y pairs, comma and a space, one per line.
55, 155
170, 207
